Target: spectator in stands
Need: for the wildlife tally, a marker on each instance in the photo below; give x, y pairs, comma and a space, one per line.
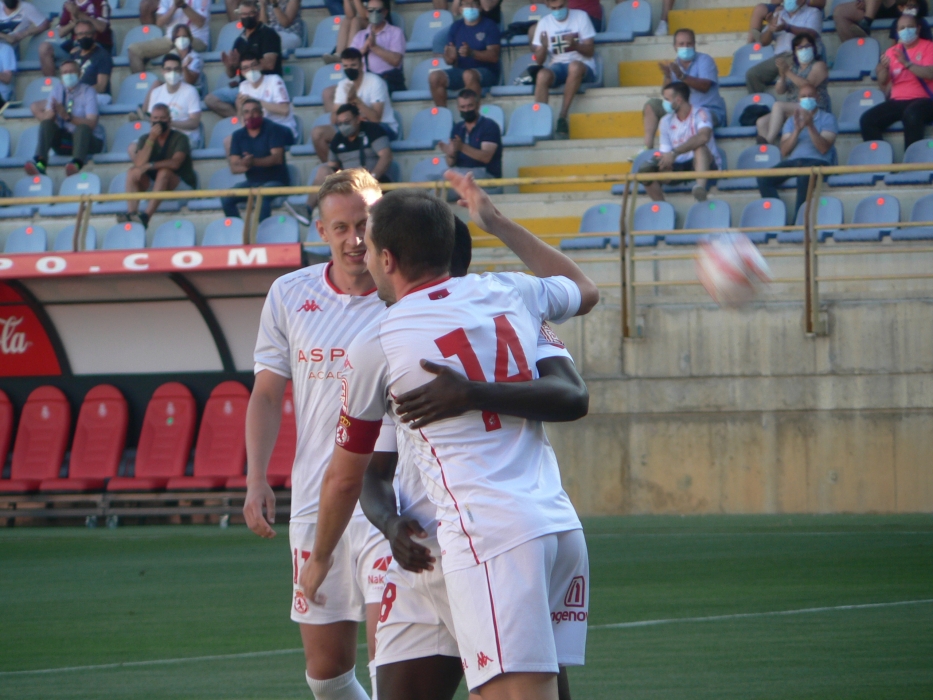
258, 151
256, 38
567, 37
473, 47
196, 14
68, 123
355, 19
491, 9
161, 160
7, 72
94, 61
805, 68
97, 12
809, 135
699, 72
191, 63
905, 74
269, 90
180, 98
783, 25
382, 45
914, 8
20, 20
687, 142
284, 16
762, 11
358, 144
366, 91
662, 28
476, 142
853, 19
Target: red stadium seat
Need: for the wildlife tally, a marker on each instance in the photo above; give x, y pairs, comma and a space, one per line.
99, 441
221, 448
6, 427
164, 442
283, 454
40, 440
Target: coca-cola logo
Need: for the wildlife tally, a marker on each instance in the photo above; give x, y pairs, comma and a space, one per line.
12, 342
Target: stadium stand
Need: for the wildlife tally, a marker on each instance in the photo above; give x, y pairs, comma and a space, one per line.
41, 440
64, 239
763, 212
132, 94
126, 236
278, 229
752, 158
279, 472
742, 60
884, 211
651, 216
26, 239
430, 126
228, 231
29, 186
529, 123
829, 211
918, 152
855, 58
126, 135
77, 184
922, 211
175, 234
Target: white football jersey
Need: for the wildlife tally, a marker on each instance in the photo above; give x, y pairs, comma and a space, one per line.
307, 325
493, 479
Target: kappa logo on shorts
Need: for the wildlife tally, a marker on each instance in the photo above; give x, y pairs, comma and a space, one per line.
482, 660
301, 605
576, 594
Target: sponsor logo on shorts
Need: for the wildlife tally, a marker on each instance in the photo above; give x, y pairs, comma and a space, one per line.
576, 594
482, 660
301, 605
568, 616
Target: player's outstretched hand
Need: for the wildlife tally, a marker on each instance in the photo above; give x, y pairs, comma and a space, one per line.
482, 211
313, 573
410, 555
446, 396
257, 498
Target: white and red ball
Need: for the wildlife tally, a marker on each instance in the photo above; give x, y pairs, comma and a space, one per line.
731, 269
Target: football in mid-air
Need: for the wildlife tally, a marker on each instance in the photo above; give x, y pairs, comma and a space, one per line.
731, 269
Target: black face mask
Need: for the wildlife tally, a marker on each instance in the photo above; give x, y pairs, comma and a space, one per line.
86, 43
351, 73
470, 116
11, 4
248, 22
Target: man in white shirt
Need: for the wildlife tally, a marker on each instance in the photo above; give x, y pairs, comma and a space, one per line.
182, 99
792, 18
20, 20
565, 38
196, 14
687, 142
366, 90
269, 89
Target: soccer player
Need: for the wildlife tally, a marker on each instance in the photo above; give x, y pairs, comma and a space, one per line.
513, 549
308, 320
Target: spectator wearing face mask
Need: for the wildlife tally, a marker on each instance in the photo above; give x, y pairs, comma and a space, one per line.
905, 74
284, 16
94, 61
382, 45
181, 99
794, 18
854, 19
913, 8
473, 49
475, 142
269, 90
809, 135
195, 14
191, 63
95, 12
68, 123
762, 12
20, 20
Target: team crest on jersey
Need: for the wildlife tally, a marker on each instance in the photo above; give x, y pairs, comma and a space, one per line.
343, 436
482, 660
576, 594
310, 305
301, 605
551, 337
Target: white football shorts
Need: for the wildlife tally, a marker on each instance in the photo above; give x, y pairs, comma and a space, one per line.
415, 620
355, 580
524, 610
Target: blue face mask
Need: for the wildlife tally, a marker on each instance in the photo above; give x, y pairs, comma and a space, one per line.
791, 5
69, 80
668, 107
686, 53
808, 103
561, 14
907, 35
805, 55
470, 14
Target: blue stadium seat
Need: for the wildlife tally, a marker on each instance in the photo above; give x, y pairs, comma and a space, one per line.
528, 13
128, 10
624, 19
64, 240
215, 147
495, 113
144, 32
132, 93
713, 214
419, 87
855, 59
29, 186
225, 40
4, 142
325, 38
227, 231
127, 134
278, 228
884, 210
752, 158
313, 243
652, 216
128, 236
324, 77
294, 77
221, 180
29, 51
174, 234
917, 152
26, 239
735, 129
744, 58
528, 124
38, 90
829, 211
763, 212
77, 184
922, 211
519, 66
864, 153
118, 186
855, 105
25, 148
429, 169
430, 125
427, 24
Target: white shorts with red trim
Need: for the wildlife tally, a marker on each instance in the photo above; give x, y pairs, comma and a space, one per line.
355, 580
524, 610
415, 620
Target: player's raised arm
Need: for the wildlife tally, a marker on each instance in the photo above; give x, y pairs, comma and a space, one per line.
538, 256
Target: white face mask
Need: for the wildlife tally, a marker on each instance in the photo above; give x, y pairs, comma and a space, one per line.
182, 43
253, 76
172, 77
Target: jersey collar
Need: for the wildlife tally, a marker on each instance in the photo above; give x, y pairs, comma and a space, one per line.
337, 291
426, 285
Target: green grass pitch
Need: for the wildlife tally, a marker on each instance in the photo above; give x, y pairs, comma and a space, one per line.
71, 597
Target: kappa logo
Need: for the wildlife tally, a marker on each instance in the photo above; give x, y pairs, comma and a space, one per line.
482, 660
382, 564
301, 605
310, 305
576, 594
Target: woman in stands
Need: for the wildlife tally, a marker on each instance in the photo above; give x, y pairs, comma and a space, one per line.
284, 16
853, 19
805, 67
190, 59
918, 9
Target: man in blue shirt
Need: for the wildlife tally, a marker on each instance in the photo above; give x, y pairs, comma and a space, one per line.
476, 142
258, 151
473, 45
809, 138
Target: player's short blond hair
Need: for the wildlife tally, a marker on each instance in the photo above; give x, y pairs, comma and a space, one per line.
352, 181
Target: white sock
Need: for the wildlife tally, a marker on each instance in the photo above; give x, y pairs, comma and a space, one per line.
372, 677
344, 687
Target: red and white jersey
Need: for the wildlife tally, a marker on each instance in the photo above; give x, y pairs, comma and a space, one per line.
306, 327
493, 479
